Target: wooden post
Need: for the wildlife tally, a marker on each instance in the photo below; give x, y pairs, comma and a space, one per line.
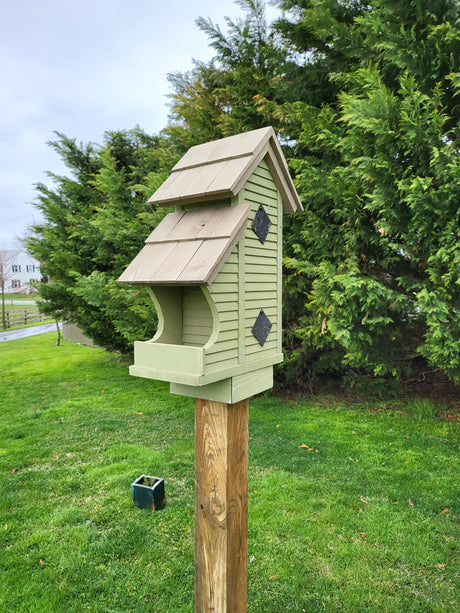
221, 506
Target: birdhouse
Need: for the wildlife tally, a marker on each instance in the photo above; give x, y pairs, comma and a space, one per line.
213, 269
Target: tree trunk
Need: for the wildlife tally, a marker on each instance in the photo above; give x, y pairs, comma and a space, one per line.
3, 303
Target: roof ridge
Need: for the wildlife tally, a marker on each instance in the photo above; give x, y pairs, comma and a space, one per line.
216, 160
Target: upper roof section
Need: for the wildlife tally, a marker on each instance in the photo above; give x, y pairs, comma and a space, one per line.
11, 254
220, 169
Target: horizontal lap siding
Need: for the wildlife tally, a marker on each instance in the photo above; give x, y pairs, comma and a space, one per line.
259, 288
227, 310
255, 245
224, 293
254, 351
260, 277
263, 197
261, 265
255, 299
218, 359
196, 318
270, 311
253, 256
258, 264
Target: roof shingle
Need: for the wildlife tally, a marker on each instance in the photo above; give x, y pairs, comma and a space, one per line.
188, 247
219, 169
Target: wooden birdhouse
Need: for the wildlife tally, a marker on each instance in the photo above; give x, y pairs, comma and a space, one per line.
213, 269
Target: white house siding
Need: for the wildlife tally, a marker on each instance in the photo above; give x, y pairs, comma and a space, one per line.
19, 271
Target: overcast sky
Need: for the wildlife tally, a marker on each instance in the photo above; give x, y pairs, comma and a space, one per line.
82, 67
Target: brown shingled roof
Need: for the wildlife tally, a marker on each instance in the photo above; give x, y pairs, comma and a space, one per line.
188, 247
220, 169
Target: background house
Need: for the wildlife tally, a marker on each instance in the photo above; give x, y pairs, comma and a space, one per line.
18, 271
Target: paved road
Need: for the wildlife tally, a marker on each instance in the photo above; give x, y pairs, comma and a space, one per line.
9, 335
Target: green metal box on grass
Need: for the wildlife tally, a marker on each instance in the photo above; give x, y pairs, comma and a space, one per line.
213, 269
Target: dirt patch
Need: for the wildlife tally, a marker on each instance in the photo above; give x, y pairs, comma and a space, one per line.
422, 384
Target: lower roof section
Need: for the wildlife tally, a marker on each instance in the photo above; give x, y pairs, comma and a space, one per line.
188, 247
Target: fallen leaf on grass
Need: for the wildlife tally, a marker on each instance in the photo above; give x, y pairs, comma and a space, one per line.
43, 563
15, 470
138, 412
409, 502
443, 511
303, 446
440, 565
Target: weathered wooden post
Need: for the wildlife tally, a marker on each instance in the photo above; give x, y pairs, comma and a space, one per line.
213, 269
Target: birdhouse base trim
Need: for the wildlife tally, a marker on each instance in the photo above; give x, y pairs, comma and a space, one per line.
167, 362
187, 365
231, 390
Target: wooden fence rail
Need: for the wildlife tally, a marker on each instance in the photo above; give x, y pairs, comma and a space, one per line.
23, 318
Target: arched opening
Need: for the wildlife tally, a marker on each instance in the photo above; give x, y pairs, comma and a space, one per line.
184, 315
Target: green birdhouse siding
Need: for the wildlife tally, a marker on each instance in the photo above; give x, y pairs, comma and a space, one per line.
248, 282
197, 321
262, 277
207, 332
224, 293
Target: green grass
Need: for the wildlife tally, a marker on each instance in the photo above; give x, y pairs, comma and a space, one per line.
20, 308
32, 296
351, 508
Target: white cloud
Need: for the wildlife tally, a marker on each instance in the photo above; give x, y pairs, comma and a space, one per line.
82, 67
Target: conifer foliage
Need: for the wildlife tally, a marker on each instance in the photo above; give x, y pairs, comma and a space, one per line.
366, 99
95, 221
377, 249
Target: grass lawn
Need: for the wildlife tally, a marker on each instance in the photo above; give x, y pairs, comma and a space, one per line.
20, 308
27, 297
351, 508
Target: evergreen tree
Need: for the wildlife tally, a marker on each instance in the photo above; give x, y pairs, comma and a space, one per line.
366, 98
219, 98
95, 222
377, 249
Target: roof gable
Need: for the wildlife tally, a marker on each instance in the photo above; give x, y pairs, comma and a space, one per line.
219, 169
188, 247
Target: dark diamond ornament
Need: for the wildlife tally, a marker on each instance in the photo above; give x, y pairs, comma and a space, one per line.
261, 224
261, 328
